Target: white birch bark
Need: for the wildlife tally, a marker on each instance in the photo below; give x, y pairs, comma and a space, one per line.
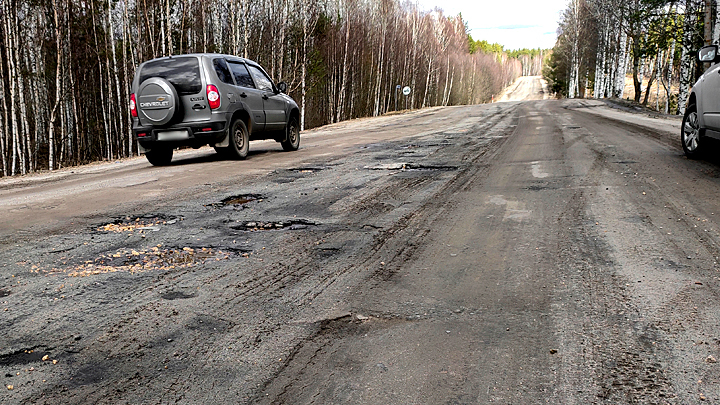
427, 81
414, 62
574, 51
303, 75
686, 61
56, 105
118, 94
381, 61
3, 118
106, 124
168, 26
343, 85
447, 77
599, 88
619, 86
716, 28
452, 78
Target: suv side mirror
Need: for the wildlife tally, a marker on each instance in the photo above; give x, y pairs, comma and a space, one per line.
708, 54
282, 86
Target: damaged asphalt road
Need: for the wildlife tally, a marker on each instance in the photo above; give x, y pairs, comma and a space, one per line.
536, 252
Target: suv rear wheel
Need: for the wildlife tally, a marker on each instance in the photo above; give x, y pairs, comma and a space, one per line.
239, 140
292, 138
159, 156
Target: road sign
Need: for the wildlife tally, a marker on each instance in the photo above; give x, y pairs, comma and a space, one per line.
406, 90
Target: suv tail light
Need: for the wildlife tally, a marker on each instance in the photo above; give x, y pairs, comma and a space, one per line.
133, 106
213, 96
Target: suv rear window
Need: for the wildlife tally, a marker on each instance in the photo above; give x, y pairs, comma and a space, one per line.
182, 72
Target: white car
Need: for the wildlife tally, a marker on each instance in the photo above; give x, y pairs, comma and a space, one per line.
702, 112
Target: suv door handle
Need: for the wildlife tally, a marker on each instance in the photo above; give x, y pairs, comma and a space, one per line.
243, 95
198, 107
265, 96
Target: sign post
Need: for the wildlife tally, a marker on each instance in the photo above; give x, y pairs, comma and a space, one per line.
397, 89
406, 92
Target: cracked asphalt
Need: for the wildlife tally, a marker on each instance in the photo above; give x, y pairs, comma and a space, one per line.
523, 252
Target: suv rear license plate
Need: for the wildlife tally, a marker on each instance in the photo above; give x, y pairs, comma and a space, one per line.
173, 135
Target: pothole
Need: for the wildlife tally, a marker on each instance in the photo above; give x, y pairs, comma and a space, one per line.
309, 169
292, 224
24, 356
411, 167
540, 187
150, 222
4, 292
176, 295
149, 259
237, 200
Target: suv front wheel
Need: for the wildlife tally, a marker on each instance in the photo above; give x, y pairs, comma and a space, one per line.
690, 135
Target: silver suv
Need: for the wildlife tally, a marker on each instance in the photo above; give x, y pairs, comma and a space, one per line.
209, 99
702, 113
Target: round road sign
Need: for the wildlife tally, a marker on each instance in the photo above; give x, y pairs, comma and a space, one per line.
406, 90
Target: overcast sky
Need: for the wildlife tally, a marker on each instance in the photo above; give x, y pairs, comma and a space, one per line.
515, 24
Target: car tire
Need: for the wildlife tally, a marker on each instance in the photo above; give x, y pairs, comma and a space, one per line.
159, 156
292, 136
239, 140
690, 138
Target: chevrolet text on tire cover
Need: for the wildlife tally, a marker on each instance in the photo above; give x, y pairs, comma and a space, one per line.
209, 99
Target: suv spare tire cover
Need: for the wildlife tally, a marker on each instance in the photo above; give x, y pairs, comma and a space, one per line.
157, 101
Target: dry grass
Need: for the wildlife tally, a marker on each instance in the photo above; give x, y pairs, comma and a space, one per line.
630, 92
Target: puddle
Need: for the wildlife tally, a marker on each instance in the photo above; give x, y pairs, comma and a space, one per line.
143, 223
148, 259
292, 224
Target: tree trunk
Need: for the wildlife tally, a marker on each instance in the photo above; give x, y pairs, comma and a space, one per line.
56, 105
118, 94
622, 66
716, 28
343, 85
687, 62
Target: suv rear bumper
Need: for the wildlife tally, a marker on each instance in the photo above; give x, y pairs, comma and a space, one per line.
198, 134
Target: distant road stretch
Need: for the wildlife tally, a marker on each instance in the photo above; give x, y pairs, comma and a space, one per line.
525, 88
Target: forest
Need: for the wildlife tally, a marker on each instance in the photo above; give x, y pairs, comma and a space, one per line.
601, 42
67, 65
